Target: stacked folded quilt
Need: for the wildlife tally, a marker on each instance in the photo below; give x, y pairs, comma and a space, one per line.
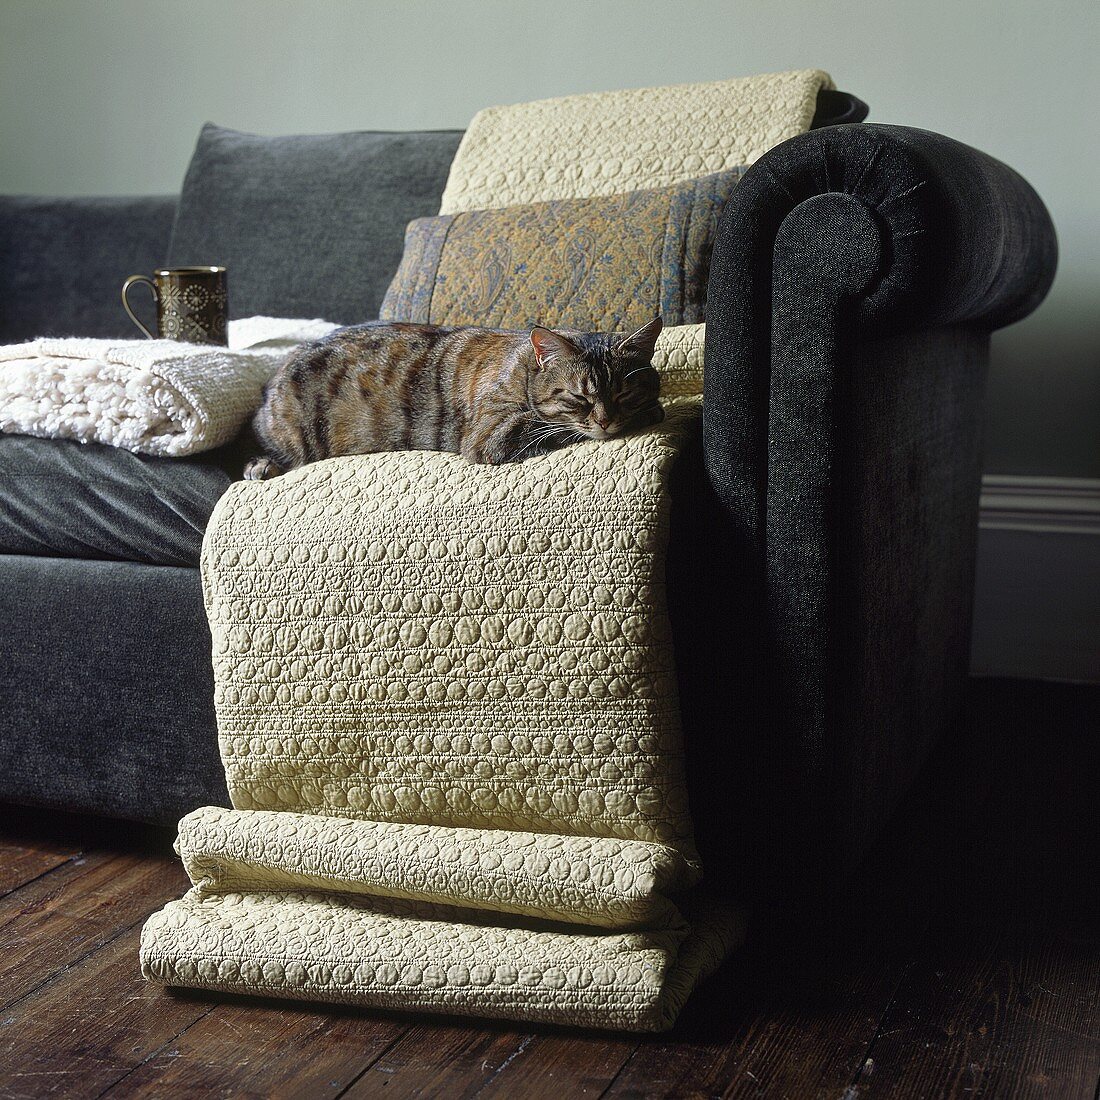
496, 923
448, 716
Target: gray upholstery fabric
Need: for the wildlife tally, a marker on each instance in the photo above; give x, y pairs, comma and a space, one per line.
837, 108
956, 237
904, 535
63, 262
83, 500
107, 687
879, 598
857, 274
308, 226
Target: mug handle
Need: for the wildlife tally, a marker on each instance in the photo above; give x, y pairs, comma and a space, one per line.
126, 305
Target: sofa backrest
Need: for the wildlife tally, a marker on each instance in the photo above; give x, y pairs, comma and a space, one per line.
310, 225
63, 261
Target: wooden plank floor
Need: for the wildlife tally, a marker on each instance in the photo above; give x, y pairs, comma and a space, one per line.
968, 966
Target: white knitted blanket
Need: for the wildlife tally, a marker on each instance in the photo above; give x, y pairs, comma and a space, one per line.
159, 397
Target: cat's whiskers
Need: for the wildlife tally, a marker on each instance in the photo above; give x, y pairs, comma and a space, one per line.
545, 430
536, 438
548, 427
550, 433
524, 449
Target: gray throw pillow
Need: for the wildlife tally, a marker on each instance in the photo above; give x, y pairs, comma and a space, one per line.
308, 225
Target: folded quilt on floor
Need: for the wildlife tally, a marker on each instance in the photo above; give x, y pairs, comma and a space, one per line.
447, 710
497, 923
157, 397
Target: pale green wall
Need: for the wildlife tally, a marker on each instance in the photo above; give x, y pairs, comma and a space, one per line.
106, 96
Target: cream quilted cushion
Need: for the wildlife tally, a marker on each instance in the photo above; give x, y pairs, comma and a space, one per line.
608, 142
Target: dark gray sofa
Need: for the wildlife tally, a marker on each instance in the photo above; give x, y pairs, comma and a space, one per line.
824, 527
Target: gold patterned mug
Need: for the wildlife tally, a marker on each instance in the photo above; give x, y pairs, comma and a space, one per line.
192, 304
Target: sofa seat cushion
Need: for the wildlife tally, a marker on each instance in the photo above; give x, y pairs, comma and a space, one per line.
308, 225
64, 499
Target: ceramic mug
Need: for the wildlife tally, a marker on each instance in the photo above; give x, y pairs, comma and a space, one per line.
192, 304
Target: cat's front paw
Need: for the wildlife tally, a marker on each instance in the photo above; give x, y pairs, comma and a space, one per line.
261, 469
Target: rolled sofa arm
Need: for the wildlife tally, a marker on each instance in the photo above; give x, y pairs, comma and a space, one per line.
857, 272
65, 260
902, 228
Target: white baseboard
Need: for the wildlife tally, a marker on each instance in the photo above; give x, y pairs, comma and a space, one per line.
1037, 598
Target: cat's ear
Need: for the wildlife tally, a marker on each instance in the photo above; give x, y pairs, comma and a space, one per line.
550, 345
640, 344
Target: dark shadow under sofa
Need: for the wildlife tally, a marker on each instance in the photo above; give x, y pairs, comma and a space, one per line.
824, 526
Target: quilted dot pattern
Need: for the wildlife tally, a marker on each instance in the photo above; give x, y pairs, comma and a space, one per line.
415, 956
608, 142
409, 637
598, 881
679, 357
447, 707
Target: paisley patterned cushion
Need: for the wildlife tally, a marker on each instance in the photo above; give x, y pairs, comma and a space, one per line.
600, 264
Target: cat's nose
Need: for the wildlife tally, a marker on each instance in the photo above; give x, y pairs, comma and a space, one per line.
601, 422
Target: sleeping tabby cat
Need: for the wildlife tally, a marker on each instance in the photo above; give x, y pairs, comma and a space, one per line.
489, 395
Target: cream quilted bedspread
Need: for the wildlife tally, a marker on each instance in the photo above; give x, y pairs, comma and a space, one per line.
447, 706
573, 930
446, 694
